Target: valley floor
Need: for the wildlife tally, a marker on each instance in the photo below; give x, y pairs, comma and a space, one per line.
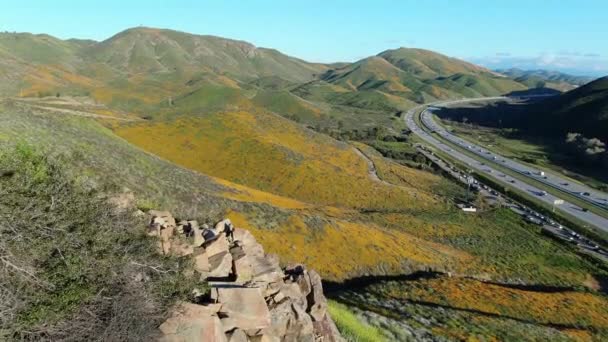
309, 198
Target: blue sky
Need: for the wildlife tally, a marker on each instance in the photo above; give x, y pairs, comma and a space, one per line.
564, 35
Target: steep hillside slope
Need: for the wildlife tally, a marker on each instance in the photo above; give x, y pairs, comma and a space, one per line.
291, 228
281, 157
63, 245
153, 50
140, 68
583, 110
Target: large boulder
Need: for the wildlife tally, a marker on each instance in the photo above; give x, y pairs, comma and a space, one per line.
266, 268
292, 293
217, 246
281, 316
192, 322
220, 265
248, 242
243, 269
162, 224
302, 328
317, 304
326, 328
161, 218
246, 306
197, 235
238, 335
180, 247
201, 263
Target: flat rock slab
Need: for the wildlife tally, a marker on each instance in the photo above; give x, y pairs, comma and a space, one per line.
220, 265
201, 263
250, 246
246, 306
217, 246
193, 323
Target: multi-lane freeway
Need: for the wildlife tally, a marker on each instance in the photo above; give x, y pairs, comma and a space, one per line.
585, 193
527, 173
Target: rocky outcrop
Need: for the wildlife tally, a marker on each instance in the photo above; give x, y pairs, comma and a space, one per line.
251, 297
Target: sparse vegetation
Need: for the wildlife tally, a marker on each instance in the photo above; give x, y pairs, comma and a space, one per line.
351, 327
457, 309
235, 125
71, 264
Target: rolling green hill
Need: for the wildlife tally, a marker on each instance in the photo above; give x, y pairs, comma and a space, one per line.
153, 50
420, 76
160, 73
428, 64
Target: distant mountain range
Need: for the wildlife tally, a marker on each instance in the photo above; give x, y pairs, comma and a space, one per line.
162, 73
546, 78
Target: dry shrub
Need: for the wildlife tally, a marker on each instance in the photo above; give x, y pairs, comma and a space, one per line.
72, 267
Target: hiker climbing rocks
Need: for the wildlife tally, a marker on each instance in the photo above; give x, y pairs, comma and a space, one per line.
229, 231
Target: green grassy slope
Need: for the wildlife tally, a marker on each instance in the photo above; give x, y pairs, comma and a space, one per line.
155, 50
420, 76
39, 48
428, 64
70, 260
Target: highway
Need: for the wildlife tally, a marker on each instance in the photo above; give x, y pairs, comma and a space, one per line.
588, 217
585, 193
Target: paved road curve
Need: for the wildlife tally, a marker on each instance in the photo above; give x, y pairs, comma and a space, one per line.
572, 209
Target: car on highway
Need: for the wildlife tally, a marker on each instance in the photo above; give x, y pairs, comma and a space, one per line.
534, 220
542, 193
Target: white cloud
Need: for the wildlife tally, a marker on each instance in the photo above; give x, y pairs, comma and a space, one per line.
566, 61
